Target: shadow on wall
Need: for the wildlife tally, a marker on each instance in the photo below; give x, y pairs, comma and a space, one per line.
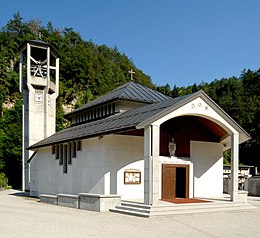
201, 168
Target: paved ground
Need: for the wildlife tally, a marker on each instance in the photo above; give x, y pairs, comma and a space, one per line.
26, 217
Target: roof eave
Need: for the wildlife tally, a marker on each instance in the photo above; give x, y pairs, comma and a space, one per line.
228, 118
35, 146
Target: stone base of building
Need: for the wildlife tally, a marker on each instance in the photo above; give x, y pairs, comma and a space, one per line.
86, 201
50, 199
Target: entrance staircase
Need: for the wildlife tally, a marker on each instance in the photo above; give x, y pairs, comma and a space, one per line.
142, 210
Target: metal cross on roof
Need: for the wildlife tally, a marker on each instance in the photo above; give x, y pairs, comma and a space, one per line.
39, 35
131, 72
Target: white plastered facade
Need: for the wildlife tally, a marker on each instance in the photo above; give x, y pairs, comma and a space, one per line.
100, 165
98, 168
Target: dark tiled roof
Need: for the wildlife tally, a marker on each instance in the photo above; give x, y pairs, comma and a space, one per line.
119, 122
130, 91
133, 119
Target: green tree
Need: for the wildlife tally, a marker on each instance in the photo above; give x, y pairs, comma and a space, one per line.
250, 116
11, 143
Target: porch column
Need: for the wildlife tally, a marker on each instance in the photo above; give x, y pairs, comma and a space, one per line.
234, 166
151, 164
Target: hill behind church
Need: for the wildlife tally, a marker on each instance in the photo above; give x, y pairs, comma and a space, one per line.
87, 71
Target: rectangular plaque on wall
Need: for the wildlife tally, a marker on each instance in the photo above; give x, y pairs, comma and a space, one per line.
132, 176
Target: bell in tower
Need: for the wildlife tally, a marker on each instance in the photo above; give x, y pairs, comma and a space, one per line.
39, 85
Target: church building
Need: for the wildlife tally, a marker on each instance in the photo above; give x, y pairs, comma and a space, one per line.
142, 145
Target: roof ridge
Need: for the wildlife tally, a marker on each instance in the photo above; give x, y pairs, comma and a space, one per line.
123, 86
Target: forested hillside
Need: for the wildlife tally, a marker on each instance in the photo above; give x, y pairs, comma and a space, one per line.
87, 71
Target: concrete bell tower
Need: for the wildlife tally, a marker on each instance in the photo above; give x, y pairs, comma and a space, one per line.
39, 85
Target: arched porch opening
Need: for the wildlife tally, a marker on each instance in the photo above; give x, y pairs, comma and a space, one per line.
184, 129
197, 165
188, 129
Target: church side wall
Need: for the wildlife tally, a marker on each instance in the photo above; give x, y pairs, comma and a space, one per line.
98, 168
207, 158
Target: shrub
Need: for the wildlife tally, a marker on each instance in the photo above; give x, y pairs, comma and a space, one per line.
3, 181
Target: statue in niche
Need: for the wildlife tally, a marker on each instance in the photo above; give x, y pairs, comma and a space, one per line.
172, 147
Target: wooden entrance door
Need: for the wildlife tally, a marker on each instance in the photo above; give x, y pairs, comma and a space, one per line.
175, 181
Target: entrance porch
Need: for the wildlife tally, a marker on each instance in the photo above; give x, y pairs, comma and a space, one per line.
201, 133
217, 204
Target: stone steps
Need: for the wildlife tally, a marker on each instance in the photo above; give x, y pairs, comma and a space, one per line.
132, 208
142, 210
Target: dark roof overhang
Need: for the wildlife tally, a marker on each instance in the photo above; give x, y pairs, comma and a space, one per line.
137, 118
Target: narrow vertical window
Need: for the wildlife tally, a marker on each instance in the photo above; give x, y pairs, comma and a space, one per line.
109, 109
53, 149
113, 108
78, 145
61, 154
65, 159
74, 148
69, 153
57, 150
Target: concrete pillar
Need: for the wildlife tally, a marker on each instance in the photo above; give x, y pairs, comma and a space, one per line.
147, 163
234, 167
57, 72
26, 128
151, 164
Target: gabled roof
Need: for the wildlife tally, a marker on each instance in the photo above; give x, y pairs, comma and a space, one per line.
130, 91
133, 119
244, 136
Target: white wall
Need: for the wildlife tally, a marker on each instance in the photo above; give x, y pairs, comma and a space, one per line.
98, 168
131, 191
207, 158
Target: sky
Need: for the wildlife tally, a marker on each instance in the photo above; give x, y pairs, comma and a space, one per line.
175, 42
